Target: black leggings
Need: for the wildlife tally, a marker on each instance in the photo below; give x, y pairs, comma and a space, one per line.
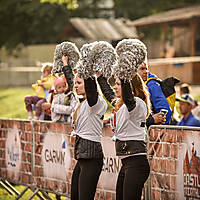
85, 178
132, 176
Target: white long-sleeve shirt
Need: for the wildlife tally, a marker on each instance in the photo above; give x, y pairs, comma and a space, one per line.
89, 121
127, 125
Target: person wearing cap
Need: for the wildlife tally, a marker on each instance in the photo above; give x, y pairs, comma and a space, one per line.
41, 89
186, 103
63, 102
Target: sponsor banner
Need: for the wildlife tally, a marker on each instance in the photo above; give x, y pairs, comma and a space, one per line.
111, 166
13, 153
56, 156
188, 169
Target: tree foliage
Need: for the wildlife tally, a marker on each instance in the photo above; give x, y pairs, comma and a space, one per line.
30, 22
44, 21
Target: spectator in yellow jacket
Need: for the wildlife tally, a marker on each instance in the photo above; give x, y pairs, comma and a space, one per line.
41, 89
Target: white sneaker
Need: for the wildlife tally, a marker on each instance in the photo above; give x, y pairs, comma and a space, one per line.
36, 118
30, 115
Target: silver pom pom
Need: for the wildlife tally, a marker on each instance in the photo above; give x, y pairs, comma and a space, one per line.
103, 57
135, 46
125, 69
68, 49
131, 52
84, 67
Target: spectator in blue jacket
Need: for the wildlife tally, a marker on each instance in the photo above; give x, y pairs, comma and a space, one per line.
186, 103
158, 99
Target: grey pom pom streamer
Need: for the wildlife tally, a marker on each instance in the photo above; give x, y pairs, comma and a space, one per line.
103, 57
135, 46
84, 67
68, 49
125, 69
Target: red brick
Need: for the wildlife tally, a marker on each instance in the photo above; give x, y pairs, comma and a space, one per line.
160, 180
151, 149
3, 173
174, 151
51, 185
60, 127
173, 183
108, 196
43, 128
3, 143
26, 178
2, 151
18, 124
163, 166
154, 164
1, 124
72, 140
167, 182
28, 147
4, 124
158, 149
29, 136
152, 135
97, 194
22, 136
101, 195
38, 160
155, 194
170, 136
23, 156
113, 196
67, 129
52, 127
171, 167
10, 175
28, 167
28, 126
166, 149
180, 133
168, 195
153, 180
12, 124
36, 126
37, 138
1, 133
38, 149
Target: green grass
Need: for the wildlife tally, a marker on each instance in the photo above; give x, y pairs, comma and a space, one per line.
12, 102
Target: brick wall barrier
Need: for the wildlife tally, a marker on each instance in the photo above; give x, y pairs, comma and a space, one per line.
40, 154
174, 155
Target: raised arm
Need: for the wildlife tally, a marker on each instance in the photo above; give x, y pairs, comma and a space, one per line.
106, 88
91, 91
67, 70
127, 95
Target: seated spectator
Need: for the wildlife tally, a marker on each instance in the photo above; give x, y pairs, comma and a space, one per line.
63, 102
186, 103
41, 89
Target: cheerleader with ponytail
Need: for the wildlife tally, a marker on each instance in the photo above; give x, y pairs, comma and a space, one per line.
131, 109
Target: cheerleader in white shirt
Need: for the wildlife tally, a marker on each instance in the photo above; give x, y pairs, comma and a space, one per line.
88, 124
128, 119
